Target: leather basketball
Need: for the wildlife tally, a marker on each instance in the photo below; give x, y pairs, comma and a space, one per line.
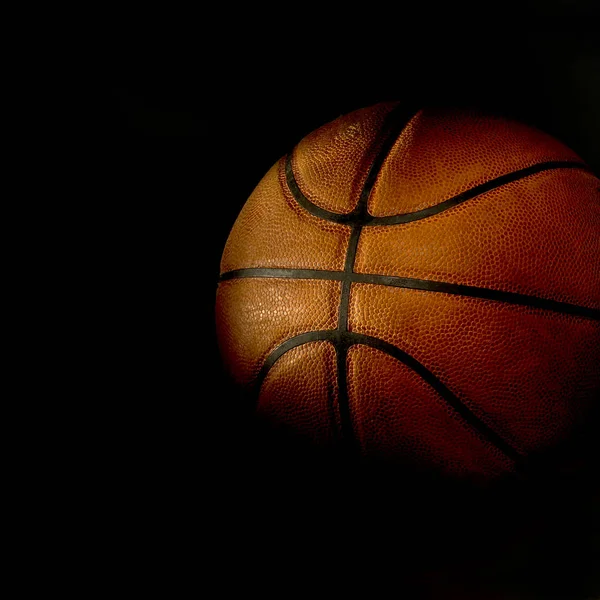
421, 286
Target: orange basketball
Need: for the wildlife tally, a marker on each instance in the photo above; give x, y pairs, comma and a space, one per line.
421, 286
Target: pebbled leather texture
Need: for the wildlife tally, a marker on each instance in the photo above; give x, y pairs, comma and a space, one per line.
399, 414
536, 236
300, 392
331, 164
272, 230
525, 372
442, 153
255, 316
457, 382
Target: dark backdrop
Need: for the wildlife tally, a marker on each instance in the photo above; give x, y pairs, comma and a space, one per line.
189, 121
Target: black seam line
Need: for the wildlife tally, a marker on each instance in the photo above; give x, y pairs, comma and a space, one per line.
394, 123
284, 274
347, 279
344, 339
483, 188
393, 126
421, 284
367, 220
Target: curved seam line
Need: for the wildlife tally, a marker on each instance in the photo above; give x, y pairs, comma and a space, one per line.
347, 339
370, 221
353, 215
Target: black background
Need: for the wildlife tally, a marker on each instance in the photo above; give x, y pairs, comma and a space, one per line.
190, 117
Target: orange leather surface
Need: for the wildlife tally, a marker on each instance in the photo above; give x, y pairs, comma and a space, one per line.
526, 373
442, 153
257, 315
300, 393
398, 414
273, 231
536, 236
331, 163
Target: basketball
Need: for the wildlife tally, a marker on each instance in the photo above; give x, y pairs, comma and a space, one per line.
420, 286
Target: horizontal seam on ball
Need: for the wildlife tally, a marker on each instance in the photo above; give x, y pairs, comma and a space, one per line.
456, 289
